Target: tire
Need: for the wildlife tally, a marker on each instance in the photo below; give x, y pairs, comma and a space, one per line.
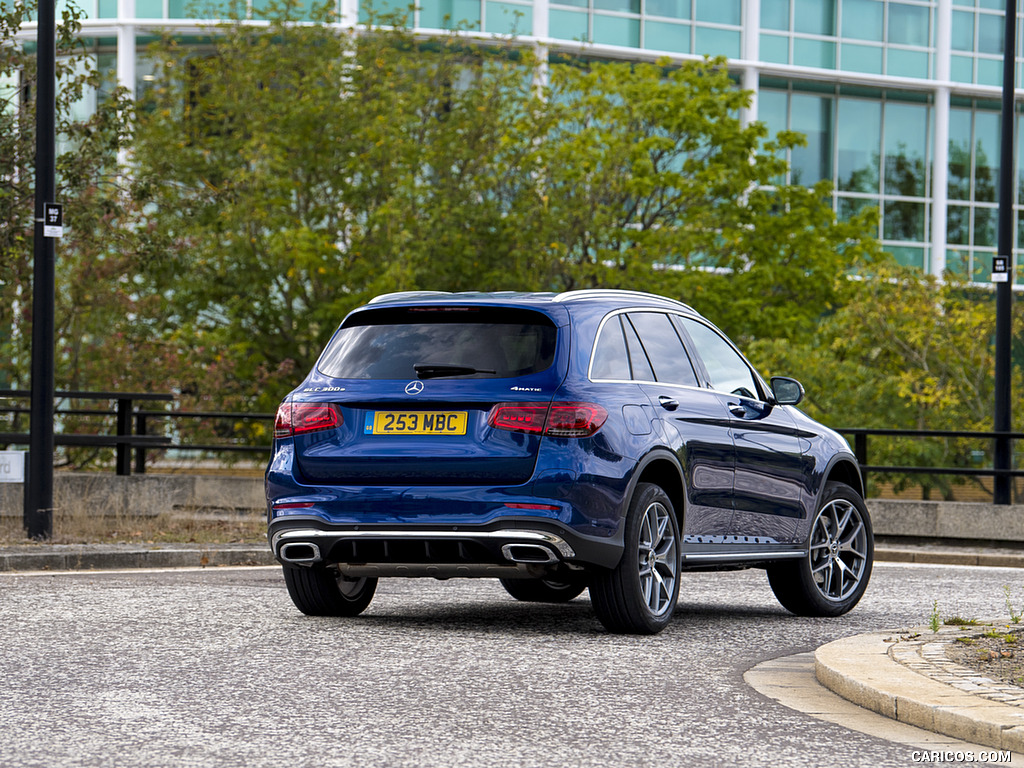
832, 577
543, 590
325, 592
639, 595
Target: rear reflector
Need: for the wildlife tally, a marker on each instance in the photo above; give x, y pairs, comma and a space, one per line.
552, 420
300, 418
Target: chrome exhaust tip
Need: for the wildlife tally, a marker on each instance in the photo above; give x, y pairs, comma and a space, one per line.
528, 553
299, 553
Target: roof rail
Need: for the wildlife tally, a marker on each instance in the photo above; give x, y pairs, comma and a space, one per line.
599, 293
398, 295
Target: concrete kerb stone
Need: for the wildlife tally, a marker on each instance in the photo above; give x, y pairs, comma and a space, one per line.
67, 557
862, 670
932, 555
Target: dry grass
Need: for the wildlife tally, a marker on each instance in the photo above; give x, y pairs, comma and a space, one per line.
177, 527
97, 508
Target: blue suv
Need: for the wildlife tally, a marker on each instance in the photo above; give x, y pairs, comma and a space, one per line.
601, 440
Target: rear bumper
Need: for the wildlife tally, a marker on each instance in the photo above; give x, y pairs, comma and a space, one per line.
505, 548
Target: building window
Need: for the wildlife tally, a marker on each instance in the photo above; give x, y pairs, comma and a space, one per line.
881, 37
978, 34
449, 14
973, 178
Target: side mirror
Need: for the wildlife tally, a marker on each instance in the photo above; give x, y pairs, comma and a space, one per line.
787, 391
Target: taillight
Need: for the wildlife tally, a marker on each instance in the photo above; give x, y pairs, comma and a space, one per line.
519, 417
302, 418
575, 419
554, 420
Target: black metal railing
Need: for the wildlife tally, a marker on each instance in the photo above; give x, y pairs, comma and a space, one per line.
860, 449
132, 433
131, 426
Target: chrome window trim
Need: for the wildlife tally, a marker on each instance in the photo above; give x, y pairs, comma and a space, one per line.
697, 318
616, 313
753, 371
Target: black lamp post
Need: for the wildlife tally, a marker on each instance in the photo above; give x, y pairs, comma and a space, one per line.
38, 515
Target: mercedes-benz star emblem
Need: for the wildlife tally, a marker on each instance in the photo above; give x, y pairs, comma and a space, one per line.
414, 387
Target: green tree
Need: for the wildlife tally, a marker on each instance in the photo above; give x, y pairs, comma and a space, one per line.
96, 302
651, 181
293, 172
906, 352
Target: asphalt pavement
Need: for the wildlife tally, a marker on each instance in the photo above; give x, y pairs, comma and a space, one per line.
900, 673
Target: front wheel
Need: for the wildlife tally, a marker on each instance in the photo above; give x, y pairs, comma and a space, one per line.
831, 578
319, 591
639, 595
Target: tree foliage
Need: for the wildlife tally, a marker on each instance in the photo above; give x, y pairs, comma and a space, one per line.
906, 352
81, 174
294, 171
282, 174
98, 342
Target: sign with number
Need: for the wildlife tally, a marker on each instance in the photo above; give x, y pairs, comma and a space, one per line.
1000, 269
53, 220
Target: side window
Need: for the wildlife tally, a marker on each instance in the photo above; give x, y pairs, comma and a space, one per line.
611, 361
728, 371
641, 366
664, 348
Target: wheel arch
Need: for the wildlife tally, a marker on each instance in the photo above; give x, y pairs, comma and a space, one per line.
662, 468
844, 470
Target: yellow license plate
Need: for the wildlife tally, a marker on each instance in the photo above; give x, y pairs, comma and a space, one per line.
416, 423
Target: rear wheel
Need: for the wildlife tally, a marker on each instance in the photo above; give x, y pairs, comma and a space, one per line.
543, 590
320, 591
639, 595
832, 577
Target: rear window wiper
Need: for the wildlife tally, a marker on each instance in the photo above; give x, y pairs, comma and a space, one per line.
434, 370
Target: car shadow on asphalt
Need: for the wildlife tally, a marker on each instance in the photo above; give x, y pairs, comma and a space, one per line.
545, 619
500, 617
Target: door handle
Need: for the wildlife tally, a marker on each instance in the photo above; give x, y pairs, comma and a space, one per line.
668, 403
738, 410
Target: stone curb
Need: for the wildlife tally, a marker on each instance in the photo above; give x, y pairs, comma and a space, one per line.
861, 670
949, 557
86, 557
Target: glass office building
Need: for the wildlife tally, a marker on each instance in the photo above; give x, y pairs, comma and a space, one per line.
899, 100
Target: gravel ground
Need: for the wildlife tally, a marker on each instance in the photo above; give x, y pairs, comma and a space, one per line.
997, 654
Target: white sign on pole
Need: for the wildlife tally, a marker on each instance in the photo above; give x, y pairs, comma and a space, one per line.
53, 220
12, 466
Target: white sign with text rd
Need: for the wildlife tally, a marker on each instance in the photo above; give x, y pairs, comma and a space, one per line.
12, 466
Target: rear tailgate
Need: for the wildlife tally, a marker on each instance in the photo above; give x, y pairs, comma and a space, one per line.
413, 388
441, 440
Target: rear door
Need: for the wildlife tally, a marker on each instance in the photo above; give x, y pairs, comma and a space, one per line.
414, 387
692, 420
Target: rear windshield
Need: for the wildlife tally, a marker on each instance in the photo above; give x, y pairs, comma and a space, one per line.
484, 342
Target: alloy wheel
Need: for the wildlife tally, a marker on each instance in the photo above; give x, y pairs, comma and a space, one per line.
657, 559
838, 551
